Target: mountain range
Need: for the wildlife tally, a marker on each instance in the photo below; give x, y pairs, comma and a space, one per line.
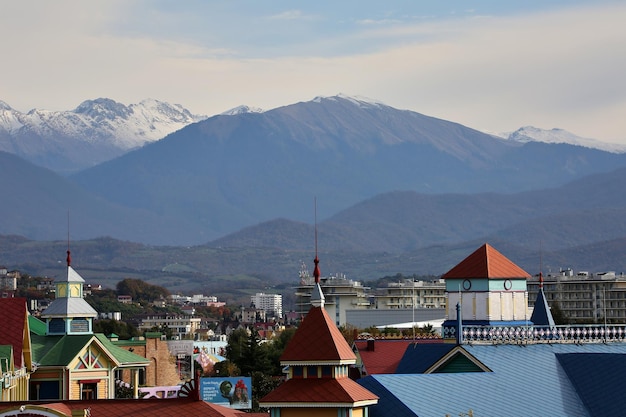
389, 187
94, 132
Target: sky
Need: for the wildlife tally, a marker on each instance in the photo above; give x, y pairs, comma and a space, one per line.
491, 65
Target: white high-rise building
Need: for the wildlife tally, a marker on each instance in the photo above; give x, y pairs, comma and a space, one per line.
272, 304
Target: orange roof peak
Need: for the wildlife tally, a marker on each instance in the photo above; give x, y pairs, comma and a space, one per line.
486, 262
318, 340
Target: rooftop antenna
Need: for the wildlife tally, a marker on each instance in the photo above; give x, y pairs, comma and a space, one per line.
317, 296
69, 257
316, 271
540, 264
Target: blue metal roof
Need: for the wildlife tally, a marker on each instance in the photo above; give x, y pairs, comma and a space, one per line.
602, 390
527, 380
542, 316
418, 358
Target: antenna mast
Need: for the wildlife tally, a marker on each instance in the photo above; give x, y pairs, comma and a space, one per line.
69, 258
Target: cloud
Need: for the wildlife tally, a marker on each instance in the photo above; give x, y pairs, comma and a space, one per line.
559, 68
291, 15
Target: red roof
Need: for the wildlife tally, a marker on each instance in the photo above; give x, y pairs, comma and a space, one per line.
318, 340
385, 356
322, 390
486, 262
13, 327
175, 407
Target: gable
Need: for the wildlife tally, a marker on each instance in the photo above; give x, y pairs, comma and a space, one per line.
457, 360
92, 357
456, 364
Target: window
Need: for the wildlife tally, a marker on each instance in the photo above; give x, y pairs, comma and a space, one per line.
89, 391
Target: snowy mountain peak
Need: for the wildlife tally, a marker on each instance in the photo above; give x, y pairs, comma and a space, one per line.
103, 108
95, 131
534, 134
4, 106
242, 109
360, 101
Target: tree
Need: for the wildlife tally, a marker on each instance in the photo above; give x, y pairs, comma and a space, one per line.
275, 349
140, 290
236, 344
262, 385
557, 314
120, 328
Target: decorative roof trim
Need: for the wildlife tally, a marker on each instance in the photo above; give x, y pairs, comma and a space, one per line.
320, 362
317, 405
457, 350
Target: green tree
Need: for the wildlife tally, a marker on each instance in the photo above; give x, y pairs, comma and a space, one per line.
120, 328
262, 384
140, 290
255, 356
557, 314
275, 349
236, 345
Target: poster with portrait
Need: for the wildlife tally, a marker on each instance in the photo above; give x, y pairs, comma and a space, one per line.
233, 392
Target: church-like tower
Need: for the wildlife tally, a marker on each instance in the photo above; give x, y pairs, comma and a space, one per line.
318, 360
69, 313
489, 289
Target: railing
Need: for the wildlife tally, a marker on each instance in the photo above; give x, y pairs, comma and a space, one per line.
593, 333
160, 392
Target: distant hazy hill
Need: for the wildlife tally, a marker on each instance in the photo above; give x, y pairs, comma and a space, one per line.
588, 210
96, 131
220, 175
39, 204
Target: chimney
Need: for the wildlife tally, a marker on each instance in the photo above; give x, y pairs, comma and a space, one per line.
370, 345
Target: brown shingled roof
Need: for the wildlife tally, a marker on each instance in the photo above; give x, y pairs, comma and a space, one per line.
13, 328
323, 390
137, 408
486, 262
318, 340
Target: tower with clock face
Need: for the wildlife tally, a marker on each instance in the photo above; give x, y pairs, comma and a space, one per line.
69, 313
490, 290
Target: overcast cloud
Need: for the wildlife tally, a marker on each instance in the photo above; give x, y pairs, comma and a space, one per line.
489, 65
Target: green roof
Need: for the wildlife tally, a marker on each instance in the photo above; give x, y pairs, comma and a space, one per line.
41, 344
37, 326
123, 356
6, 352
61, 350
65, 350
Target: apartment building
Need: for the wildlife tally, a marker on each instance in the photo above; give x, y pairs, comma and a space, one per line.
340, 292
411, 294
584, 296
182, 326
272, 304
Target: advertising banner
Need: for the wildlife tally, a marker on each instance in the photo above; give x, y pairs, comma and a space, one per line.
233, 392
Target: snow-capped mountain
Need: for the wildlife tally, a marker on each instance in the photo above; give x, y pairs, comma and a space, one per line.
534, 134
241, 110
97, 130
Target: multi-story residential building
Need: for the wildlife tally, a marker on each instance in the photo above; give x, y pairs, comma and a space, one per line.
584, 296
196, 299
340, 292
8, 282
182, 326
412, 294
272, 304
